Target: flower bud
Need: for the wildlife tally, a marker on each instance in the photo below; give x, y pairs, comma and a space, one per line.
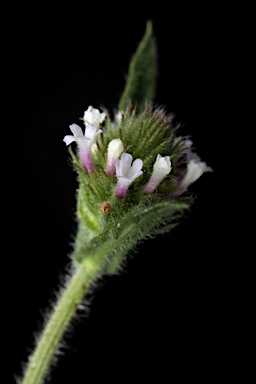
115, 148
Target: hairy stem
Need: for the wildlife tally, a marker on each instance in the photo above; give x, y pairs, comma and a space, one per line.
40, 360
102, 254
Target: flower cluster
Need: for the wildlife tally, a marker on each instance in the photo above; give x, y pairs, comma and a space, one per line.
130, 144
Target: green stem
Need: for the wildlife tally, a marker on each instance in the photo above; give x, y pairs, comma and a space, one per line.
103, 254
40, 360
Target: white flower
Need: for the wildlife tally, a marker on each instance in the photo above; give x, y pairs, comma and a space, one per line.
195, 169
162, 167
185, 144
188, 143
115, 148
86, 139
84, 143
93, 116
118, 116
126, 173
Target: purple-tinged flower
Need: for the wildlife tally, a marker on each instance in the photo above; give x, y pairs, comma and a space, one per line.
84, 143
126, 173
162, 167
115, 148
93, 116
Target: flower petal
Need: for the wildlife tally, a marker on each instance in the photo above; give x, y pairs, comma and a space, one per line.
194, 171
68, 139
126, 161
76, 130
93, 116
134, 176
118, 168
115, 148
135, 169
90, 131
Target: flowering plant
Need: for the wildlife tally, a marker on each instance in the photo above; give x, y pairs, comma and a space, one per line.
134, 171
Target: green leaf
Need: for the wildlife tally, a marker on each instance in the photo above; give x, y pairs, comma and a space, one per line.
117, 238
141, 81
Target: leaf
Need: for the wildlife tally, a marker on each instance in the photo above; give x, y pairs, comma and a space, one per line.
141, 81
117, 238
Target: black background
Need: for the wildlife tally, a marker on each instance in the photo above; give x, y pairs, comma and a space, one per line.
164, 315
